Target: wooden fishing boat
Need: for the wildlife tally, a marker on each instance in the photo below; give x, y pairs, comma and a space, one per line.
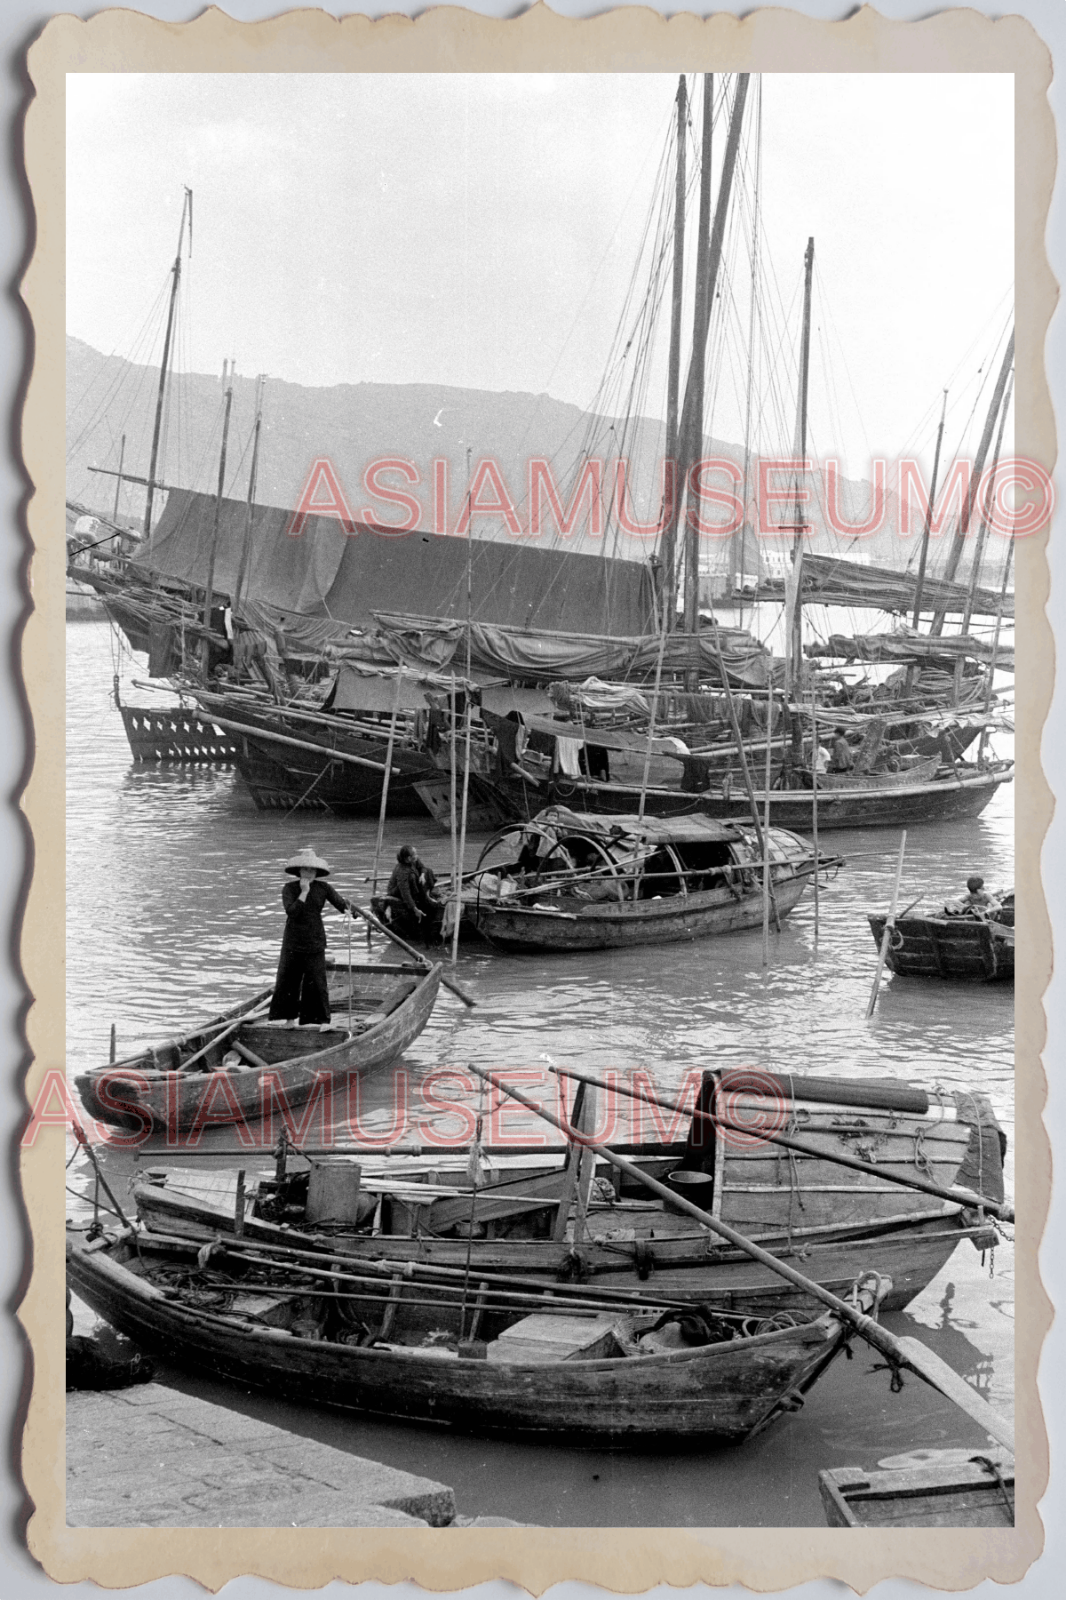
891, 803
548, 1216
967, 946
605, 884
395, 1347
927, 1489
236, 1067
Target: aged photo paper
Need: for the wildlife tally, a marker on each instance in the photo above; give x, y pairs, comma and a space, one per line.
392, 219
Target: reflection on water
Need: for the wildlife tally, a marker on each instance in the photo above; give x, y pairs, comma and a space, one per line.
174, 912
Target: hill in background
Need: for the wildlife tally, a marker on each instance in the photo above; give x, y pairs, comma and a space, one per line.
353, 425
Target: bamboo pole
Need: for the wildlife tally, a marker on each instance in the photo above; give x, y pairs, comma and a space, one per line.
457, 877
814, 806
462, 830
766, 830
269, 736
385, 779
889, 925
900, 1352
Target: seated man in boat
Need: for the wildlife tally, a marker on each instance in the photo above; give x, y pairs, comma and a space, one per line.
413, 908
301, 991
841, 753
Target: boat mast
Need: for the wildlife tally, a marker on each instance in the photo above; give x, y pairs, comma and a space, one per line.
701, 321
794, 650
252, 476
690, 432
668, 587
982, 536
963, 528
209, 593
920, 586
186, 205
118, 481
736, 566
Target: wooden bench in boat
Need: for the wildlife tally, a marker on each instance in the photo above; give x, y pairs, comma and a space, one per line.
557, 1338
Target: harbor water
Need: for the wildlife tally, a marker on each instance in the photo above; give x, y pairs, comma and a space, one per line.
174, 913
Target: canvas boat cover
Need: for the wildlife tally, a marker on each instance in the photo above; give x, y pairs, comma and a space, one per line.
832, 581
907, 646
653, 830
344, 576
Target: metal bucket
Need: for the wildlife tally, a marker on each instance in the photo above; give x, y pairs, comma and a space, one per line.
689, 1185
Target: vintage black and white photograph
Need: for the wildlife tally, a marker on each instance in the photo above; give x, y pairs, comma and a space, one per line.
540, 882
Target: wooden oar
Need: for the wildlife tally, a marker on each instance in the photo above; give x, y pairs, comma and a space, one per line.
962, 1197
889, 925
899, 1352
423, 961
231, 1027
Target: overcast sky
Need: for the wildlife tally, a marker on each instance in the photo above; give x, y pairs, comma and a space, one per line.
482, 230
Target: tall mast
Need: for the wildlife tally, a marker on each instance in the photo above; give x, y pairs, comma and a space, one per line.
978, 555
920, 585
690, 432
669, 547
736, 566
209, 593
794, 652
186, 205
701, 321
252, 475
118, 480
959, 541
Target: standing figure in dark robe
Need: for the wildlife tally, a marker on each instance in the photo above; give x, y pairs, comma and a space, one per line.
301, 990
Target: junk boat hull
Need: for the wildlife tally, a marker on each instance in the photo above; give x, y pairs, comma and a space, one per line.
945, 799
725, 1391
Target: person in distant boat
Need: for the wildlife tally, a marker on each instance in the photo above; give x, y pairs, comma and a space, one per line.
822, 758
529, 855
975, 898
975, 902
413, 906
300, 989
841, 753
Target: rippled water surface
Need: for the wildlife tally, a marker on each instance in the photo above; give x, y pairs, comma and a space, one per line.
174, 912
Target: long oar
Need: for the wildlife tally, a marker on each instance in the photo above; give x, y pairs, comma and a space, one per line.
290, 1259
963, 1197
449, 983
889, 925
299, 744
905, 1352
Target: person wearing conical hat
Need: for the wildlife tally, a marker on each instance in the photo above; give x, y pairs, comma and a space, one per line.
300, 989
